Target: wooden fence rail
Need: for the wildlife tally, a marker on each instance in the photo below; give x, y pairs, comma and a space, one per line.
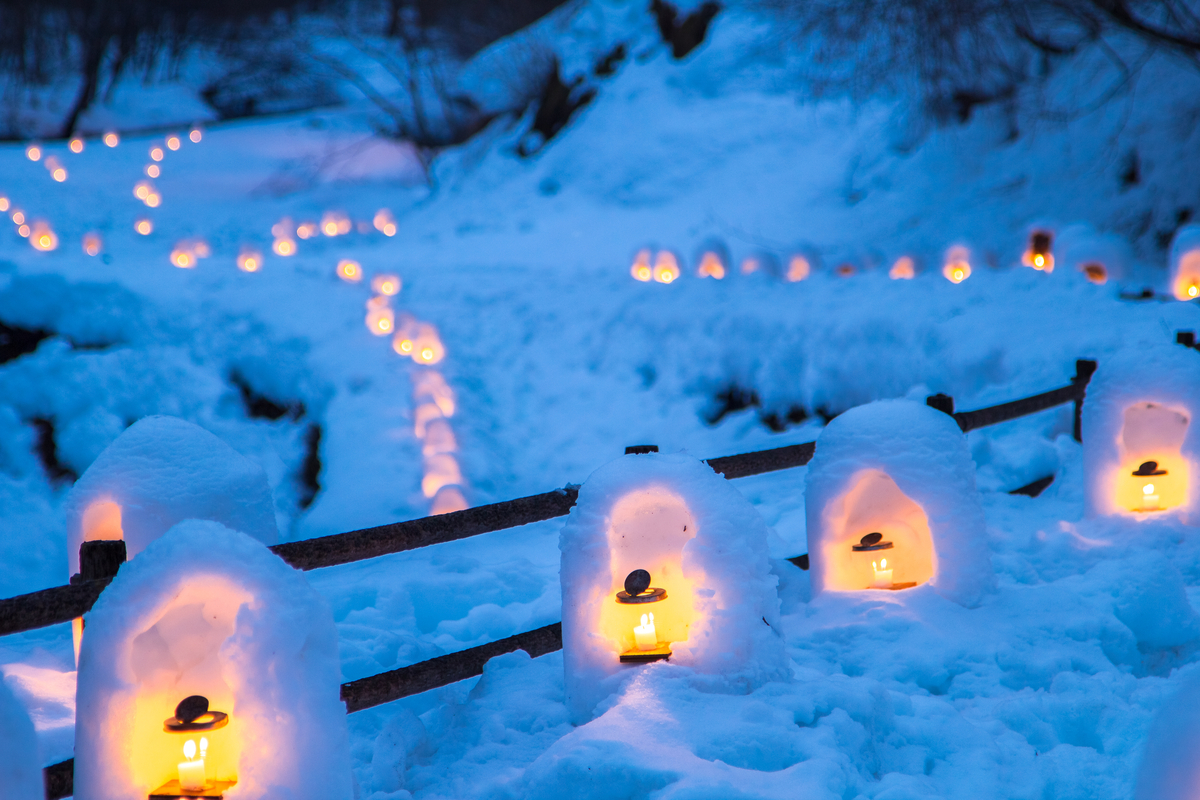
64, 603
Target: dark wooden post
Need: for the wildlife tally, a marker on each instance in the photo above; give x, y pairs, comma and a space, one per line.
99, 559
1185, 338
942, 402
1083, 373
637, 449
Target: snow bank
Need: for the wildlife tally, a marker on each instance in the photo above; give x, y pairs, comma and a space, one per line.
903, 470
1169, 768
702, 543
1139, 447
20, 775
209, 611
161, 471
1184, 263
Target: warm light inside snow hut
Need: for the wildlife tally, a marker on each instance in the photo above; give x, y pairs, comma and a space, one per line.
1095, 272
1187, 279
1153, 474
183, 256
440, 470
111, 139
666, 267
334, 223
448, 500
249, 260
384, 222
903, 270
284, 247
307, 230
381, 320
957, 267
427, 346
142, 190
178, 654
641, 269
798, 268
56, 169
92, 244
143, 226
431, 386
711, 266
387, 285
23, 231
646, 535
18, 216
349, 270
42, 237
1038, 254
880, 538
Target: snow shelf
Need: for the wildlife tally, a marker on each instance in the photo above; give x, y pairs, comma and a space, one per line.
893, 481
20, 774
1185, 263
702, 543
161, 471
1140, 448
210, 612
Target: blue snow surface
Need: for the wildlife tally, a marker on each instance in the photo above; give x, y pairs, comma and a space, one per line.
558, 358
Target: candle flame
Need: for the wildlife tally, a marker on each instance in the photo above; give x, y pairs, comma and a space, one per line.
1192, 291
284, 247
641, 266
349, 271
144, 227
189, 749
1148, 489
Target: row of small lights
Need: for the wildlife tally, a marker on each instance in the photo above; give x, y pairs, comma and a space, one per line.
663, 266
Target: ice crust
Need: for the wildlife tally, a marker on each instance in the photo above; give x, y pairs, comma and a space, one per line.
20, 775
277, 667
1166, 375
163, 470
733, 641
926, 454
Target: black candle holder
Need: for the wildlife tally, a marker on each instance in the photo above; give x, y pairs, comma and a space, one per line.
870, 543
639, 590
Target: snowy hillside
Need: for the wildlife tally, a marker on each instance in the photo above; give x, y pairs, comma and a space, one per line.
556, 358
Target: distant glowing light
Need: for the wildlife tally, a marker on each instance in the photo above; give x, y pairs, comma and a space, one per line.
641, 269
711, 266
282, 229
156, 153
59, 174
798, 269
173, 142
388, 285
153, 200
349, 271
142, 189
18, 216
666, 267
1192, 290
384, 222
112, 139
196, 135
284, 247
335, 224
903, 270
249, 260
76, 145
143, 226
42, 238
307, 230
153, 170
33, 152
381, 321
92, 244
183, 258
23, 231
201, 248
4, 204
957, 267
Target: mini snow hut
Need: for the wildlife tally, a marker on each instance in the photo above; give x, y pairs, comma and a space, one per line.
1185, 263
663, 559
1140, 444
210, 666
891, 504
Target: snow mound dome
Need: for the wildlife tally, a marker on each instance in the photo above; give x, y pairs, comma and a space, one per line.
161, 471
1141, 446
1185, 263
210, 612
703, 545
1098, 257
1169, 768
894, 480
20, 776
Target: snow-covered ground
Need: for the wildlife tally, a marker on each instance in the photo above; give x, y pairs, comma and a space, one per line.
558, 359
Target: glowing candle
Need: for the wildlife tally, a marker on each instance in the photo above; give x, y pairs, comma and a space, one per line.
641, 266
798, 269
191, 772
156, 153
644, 634
33, 152
883, 575
76, 145
111, 139
153, 171
1149, 498
173, 142
196, 135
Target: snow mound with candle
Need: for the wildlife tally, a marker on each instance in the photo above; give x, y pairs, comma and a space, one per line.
896, 480
208, 611
1141, 445
20, 777
703, 545
160, 471
1184, 263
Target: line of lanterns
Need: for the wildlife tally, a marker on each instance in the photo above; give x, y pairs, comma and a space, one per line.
713, 262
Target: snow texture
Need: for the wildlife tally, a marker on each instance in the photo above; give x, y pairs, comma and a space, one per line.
1141, 405
210, 611
160, 471
721, 613
903, 469
1169, 769
20, 777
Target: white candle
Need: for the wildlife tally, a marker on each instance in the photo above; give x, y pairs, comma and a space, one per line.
883, 575
191, 775
1149, 498
644, 634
